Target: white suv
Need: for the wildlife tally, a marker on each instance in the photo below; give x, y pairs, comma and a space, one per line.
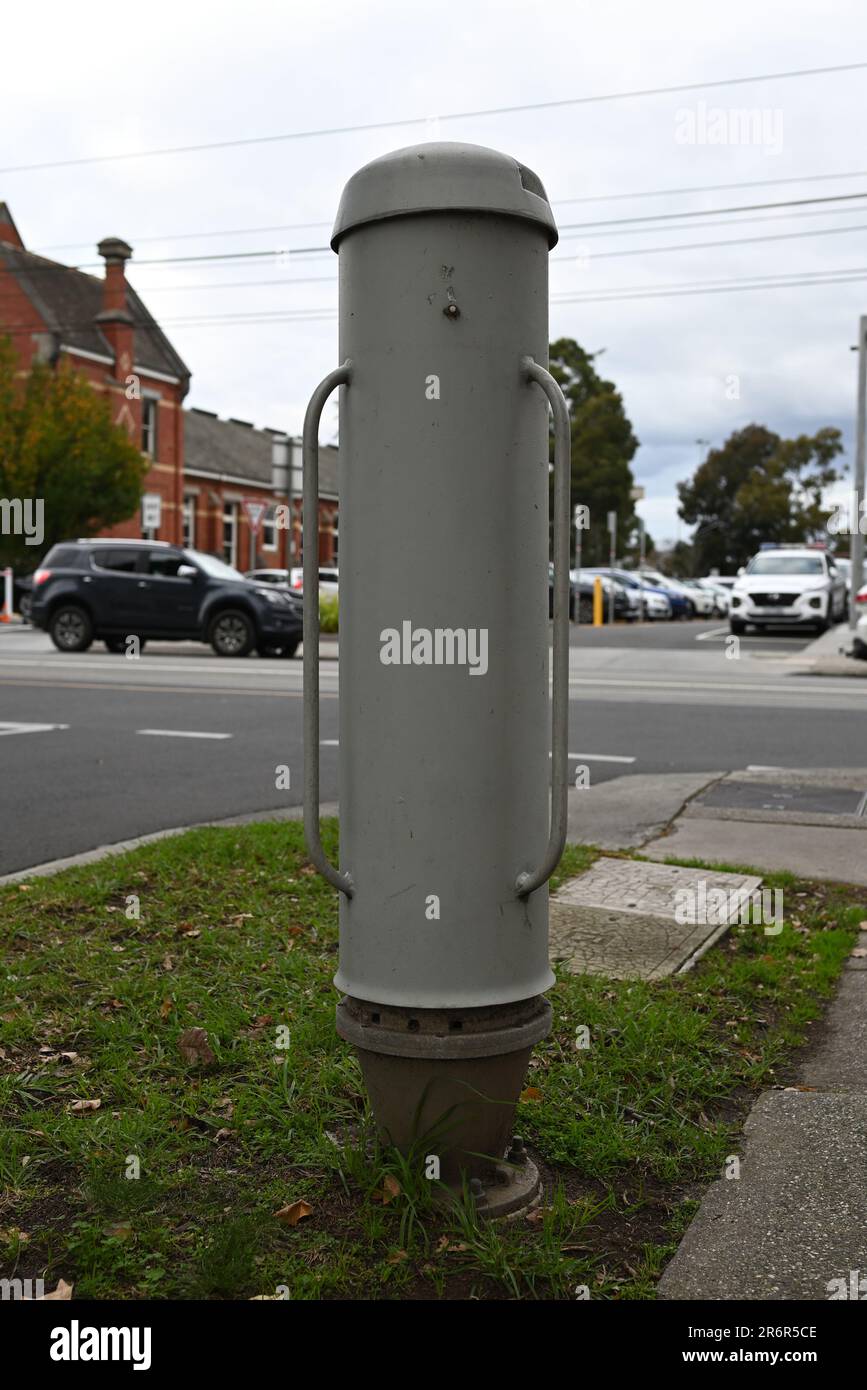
788, 586
860, 647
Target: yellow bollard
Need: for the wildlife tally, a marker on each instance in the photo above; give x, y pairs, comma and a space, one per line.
597, 602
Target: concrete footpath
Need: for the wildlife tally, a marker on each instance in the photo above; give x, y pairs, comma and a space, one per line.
793, 1224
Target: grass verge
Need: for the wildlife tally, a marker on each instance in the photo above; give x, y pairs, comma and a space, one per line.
250, 1137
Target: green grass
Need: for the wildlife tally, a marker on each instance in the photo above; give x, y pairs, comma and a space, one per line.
237, 936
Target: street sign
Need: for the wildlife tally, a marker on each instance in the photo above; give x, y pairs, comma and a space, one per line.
151, 511
255, 512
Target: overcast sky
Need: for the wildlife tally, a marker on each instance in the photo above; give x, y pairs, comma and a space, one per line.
89, 80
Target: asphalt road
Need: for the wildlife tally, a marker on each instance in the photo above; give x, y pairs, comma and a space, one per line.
182, 736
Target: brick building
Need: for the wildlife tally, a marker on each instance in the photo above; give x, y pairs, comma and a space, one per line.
201, 470
52, 312
229, 462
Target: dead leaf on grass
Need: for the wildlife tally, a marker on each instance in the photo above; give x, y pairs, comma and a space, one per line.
294, 1212
195, 1048
79, 1107
530, 1093
389, 1190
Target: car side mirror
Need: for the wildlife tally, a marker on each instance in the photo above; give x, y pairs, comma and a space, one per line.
741, 571
187, 572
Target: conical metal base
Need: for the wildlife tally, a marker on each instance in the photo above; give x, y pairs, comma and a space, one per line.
444, 1084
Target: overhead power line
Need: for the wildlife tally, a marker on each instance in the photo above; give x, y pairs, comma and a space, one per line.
568, 229
712, 212
613, 294
359, 127
556, 202
707, 245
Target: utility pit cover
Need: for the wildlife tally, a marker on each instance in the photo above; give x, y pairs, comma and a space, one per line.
625, 919
785, 796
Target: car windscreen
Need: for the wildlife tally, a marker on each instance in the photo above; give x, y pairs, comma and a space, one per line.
217, 569
786, 564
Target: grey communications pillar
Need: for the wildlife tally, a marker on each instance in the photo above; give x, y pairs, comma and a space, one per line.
452, 764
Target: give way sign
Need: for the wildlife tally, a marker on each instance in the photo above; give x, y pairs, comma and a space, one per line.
255, 511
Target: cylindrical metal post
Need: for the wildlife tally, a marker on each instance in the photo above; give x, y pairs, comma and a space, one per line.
860, 516
447, 833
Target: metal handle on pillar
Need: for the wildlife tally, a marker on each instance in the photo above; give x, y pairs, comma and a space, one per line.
341, 376
528, 882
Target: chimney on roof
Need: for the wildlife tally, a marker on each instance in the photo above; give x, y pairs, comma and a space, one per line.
9, 233
114, 318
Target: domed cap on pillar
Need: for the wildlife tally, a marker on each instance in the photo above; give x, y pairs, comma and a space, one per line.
443, 177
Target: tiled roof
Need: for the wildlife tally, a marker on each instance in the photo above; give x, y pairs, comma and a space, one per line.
68, 301
239, 450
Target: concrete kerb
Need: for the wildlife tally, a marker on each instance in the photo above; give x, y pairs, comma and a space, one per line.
828, 655
94, 856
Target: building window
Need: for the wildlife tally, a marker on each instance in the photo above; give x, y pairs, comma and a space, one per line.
189, 521
230, 533
269, 529
149, 406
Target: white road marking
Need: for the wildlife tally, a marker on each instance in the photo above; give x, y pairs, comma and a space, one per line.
599, 757
30, 728
180, 733
582, 757
768, 767
719, 632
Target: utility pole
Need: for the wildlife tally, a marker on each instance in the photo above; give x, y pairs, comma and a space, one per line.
860, 518
637, 495
578, 518
612, 559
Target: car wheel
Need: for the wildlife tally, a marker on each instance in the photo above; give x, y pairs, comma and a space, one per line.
585, 610
859, 649
70, 628
117, 645
24, 607
232, 633
737, 626
274, 649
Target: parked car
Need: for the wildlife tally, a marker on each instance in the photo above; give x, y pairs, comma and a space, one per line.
789, 586
652, 603
860, 644
844, 566
581, 598
720, 596
328, 580
627, 601
682, 601
721, 581
22, 588
114, 589
702, 598
278, 577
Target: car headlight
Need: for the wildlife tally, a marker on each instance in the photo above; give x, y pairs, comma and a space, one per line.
270, 595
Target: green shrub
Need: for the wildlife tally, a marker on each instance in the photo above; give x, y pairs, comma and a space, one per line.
327, 612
